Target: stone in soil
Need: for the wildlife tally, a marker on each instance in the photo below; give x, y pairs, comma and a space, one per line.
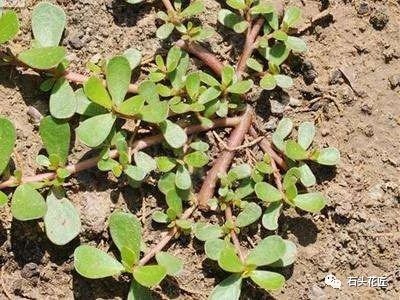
336, 77
394, 81
379, 19
309, 73
363, 8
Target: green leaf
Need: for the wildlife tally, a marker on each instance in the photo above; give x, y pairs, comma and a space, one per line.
155, 112
134, 57
268, 193
134, 2
271, 216
174, 201
27, 203
94, 131
118, 78
267, 251
165, 163
292, 16
254, 65
174, 135
288, 257
267, 280
194, 8
164, 30
86, 107
3, 199
283, 129
48, 23
296, 44
232, 20
213, 248
160, 217
62, 221
272, 20
132, 106
182, 178
196, 159
172, 264
227, 75
145, 161
236, 4
229, 261
93, 263
166, 183
204, 231
283, 81
173, 57
228, 289
97, 93
199, 146
280, 35
9, 26
193, 84
328, 156
294, 151
262, 8
239, 172
184, 224
8, 136
307, 177
306, 134
56, 135
276, 54
208, 79
209, 94
63, 102
43, 58
268, 82
138, 292
311, 202
245, 189
251, 212
149, 276
135, 173
125, 229
240, 87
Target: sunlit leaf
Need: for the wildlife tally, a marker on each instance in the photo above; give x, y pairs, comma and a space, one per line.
149, 276
267, 251
27, 203
8, 136
250, 213
94, 131
311, 202
271, 215
174, 134
267, 192
306, 134
229, 261
9, 25
43, 58
118, 78
172, 264
228, 289
267, 280
328, 156
63, 102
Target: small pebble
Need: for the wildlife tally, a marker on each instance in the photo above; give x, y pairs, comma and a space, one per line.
394, 81
363, 8
379, 19
336, 77
76, 43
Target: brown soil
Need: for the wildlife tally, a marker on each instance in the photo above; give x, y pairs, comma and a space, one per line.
351, 58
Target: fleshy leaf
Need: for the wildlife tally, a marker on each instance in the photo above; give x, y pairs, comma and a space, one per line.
209, 94
93, 263
27, 203
9, 25
132, 106
149, 276
267, 192
172, 264
7, 138
174, 201
138, 292
43, 58
63, 102
182, 178
61, 220
283, 129
229, 261
288, 257
165, 163
148, 90
311, 202
48, 23
296, 44
228, 289
240, 87
268, 82
196, 159
251, 212
239, 172
271, 216
194, 8
213, 248
292, 16
328, 156
3, 199
86, 107
134, 57
205, 231
155, 112
118, 78
283, 81
307, 177
135, 173
232, 20
94, 131
267, 251
174, 134
267, 280
294, 151
145, 161
97, 93
254, 64
173, 57
125, 229
166, 183
164, 30
306, 134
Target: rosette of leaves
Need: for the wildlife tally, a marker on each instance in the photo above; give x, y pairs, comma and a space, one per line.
176, 182
7, 137
175, 19
272, 251
126, 233
219, 97
9, 25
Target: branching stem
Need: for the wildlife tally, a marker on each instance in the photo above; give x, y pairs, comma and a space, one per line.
234, 237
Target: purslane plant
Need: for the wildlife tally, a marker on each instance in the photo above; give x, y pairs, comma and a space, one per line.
167, 99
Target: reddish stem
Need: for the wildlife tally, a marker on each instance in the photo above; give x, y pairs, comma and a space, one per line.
203, 54
249, 45
234, 237
223, 162
136, 146
80, 79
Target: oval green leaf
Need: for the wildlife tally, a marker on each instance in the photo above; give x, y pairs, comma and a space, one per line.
94, 131
7, 138
63, 103
27, 203
43, 58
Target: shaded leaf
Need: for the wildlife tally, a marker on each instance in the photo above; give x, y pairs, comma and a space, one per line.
271, 216
311, 202
27, 203
267, 280
3, 199
267, 251
251, 212
7, 137
229, 261
172, 264
228, 289
149, 276
138, 292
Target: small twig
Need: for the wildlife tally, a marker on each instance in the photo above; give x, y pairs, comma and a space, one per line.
222, 163
234, 237
323, 14
136, 146
226, 147
5, 291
